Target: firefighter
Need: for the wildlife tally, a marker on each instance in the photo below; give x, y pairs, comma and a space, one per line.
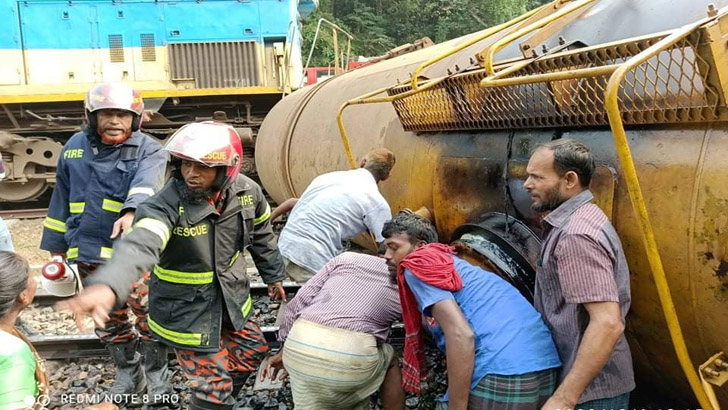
191, 235
104, 172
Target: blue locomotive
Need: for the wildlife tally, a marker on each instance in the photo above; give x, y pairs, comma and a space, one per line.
228, 60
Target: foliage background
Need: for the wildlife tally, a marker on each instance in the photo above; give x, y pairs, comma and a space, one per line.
380, 25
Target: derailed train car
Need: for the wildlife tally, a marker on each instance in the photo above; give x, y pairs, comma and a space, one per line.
230, 60
643, 83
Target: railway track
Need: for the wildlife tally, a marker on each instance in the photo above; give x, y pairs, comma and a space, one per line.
88, 345
23, 213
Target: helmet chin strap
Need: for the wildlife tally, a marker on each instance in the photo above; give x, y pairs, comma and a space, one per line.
217, 185
109, 140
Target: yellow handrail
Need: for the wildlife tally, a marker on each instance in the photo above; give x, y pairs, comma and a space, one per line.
638, 202
367, 99
588, 72
503, 42
487, 33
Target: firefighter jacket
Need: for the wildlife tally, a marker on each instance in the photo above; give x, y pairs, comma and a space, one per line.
194, 254
94, 187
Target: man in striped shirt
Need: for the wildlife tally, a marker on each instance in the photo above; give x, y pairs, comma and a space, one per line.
334, 334
582, 282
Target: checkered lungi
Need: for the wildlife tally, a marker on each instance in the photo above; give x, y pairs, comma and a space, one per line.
333, 369
527, 391
620, 402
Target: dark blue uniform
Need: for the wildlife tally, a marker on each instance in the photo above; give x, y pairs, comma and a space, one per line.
93, 187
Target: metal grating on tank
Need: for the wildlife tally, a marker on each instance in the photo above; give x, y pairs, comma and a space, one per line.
673, 86
223, 64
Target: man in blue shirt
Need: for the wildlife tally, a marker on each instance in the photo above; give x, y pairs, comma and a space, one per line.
500, 354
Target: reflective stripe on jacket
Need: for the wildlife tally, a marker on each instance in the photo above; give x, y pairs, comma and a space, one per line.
194, 255
93, 187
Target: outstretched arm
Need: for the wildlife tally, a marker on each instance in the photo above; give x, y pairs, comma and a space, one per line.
283, 208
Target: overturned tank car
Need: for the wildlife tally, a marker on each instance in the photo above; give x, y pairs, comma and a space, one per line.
643, 83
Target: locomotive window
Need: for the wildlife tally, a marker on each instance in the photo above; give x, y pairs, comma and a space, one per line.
149, 53
116, 48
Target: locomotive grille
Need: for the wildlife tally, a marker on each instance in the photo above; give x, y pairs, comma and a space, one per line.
149, 53
116, 48
225, 64
672, 86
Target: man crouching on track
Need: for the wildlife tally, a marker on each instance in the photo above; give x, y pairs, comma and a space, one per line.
500, 355
192, 233
334, 332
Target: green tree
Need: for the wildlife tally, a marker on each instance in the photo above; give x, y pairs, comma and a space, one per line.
379, 25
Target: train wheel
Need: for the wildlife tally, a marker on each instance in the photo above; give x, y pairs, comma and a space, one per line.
503, 245
22, 191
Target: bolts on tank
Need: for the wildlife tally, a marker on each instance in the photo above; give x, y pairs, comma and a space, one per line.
712, 11
710, 372
720, 364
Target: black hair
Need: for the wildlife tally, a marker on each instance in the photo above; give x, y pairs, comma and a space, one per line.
13, 280
571, 155
416, 227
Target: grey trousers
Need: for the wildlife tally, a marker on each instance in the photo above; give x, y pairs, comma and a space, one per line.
297, 273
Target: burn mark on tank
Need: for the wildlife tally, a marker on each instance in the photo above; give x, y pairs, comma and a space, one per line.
722, 269
712, 240
525, 146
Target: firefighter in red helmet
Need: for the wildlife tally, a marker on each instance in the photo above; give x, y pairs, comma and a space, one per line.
104, 172
191, 235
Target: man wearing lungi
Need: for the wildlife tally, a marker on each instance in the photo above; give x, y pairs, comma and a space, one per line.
334, 335
500, 354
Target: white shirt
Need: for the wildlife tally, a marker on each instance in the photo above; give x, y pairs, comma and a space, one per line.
335, 207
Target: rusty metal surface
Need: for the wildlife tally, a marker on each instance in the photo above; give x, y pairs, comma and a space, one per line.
223, 64
461, 175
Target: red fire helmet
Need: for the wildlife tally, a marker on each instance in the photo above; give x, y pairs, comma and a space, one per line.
116, 96
210, 143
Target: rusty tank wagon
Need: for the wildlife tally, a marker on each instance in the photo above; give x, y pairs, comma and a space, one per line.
643, 83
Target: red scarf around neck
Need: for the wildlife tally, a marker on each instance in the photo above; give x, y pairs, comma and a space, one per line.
432, 264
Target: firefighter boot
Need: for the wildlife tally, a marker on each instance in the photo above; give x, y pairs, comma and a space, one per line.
130, 383
159, 390
238, 383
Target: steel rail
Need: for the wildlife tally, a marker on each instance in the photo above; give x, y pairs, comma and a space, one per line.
54, 347
23, 213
